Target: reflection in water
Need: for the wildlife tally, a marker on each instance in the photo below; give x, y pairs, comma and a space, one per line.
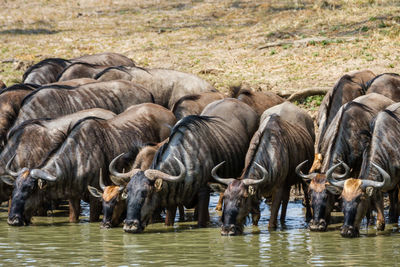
54, 241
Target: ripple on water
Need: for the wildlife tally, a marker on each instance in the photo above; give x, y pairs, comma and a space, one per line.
54, 241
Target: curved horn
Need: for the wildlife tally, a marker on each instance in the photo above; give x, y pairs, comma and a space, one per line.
225, 181
376, 184
305, 177
345, 174
101, 183
257, 181
154, 174
332, 180
39, 174
8, 169
121, 175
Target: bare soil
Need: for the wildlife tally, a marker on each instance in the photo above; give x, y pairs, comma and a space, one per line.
282, 46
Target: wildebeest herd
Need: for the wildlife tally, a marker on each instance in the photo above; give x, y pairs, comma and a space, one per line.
136, 143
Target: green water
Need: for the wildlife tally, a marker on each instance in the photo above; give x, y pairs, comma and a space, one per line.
53, 241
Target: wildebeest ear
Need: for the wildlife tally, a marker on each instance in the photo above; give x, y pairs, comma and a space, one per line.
8, 179
158, 184
42, 183
251, 190
369, 191
216, 187
95, 192
333, 189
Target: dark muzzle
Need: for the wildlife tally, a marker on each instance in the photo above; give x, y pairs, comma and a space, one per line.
320, 226
105, 225
133, 226
15, 221
349, 231
230, 229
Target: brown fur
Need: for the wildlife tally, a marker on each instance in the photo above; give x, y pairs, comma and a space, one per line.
110, 192
351, 189
318, 183
317, 164
259, 101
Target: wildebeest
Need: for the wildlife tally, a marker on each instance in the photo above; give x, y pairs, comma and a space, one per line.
181, 168
345, 140
259, 101
74, 82
379, 173
45, 71
89, 147
57, 100
280, 143
30, 142
10, 103
114, 205
194, 104
360, 194
48, 70
78, 70
347, 88
167, 86
106, 59
387, 84
2, 85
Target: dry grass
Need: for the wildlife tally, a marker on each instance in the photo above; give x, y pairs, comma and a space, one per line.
218, 40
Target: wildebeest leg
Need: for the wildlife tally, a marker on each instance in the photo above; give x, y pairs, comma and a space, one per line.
170, 216
285, 200
276, 202
380, 218
202, 206
255, 213
307, 201
220, 202
95, 209
74, 209
393, 208
9, 205
181, 213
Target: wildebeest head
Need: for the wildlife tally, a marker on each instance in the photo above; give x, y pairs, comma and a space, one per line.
356, 195
113, 197
113, 201
143, 198
238, 200
322, 196
24, 197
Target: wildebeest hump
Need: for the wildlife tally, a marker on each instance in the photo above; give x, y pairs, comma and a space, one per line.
347, 88
293, 114
45, 71
51, 102
348, 134
106, 59
387, 84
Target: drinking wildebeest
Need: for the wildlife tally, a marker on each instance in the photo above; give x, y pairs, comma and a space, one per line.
88, 148
379, 173
282, 141
345, 140
114, 205
181, 168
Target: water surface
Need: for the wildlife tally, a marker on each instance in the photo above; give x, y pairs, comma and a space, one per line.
54, 241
